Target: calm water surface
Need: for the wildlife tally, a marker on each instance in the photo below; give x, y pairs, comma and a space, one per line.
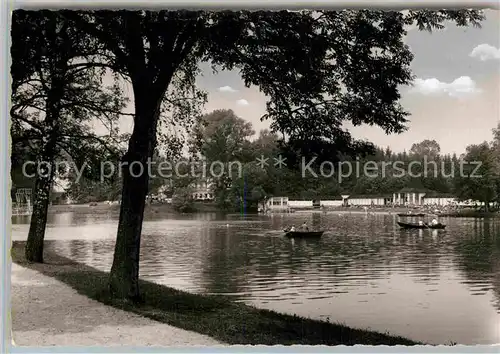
437, 287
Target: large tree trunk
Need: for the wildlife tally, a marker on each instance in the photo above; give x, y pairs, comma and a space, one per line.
124, 275
36, 234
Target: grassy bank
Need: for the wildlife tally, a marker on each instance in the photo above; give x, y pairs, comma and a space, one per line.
215, 316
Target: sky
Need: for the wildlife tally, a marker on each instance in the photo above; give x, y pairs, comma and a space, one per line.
454, 99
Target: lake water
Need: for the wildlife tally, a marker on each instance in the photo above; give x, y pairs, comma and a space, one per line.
433, 286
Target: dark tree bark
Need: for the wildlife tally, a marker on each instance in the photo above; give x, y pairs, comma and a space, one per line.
124, 275
44, 176
34, 244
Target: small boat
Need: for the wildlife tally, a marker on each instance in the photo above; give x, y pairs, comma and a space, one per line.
405, 225
418, 215
303, 234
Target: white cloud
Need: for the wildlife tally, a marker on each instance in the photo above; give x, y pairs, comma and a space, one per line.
462, 86
242, 102
485, 52
227, 89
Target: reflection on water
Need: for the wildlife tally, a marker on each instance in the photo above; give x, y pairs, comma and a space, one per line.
434, 286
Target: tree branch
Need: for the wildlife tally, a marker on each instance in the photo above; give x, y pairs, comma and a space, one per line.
19, 117
93, 137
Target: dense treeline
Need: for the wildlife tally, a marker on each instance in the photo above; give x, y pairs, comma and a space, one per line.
222, 137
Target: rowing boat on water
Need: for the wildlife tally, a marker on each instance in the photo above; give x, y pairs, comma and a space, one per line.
405, 225
303, 234
418, 215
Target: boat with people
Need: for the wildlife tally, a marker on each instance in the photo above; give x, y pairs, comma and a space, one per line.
303, 234
405, 225
417, 215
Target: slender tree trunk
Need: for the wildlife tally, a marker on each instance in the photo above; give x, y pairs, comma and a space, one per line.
124, 275
54, 85
36, 234
43, 184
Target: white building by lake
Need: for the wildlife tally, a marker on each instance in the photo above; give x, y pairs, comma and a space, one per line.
421, 197
277, 204
285, 204
202, 190
441, 201
408, 197
361, 200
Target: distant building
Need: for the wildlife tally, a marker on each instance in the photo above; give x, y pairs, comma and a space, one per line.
202, 190
368, 200
278, 204
22, 203
440, 199
300, 204
409, 196
404, 197
419, 197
